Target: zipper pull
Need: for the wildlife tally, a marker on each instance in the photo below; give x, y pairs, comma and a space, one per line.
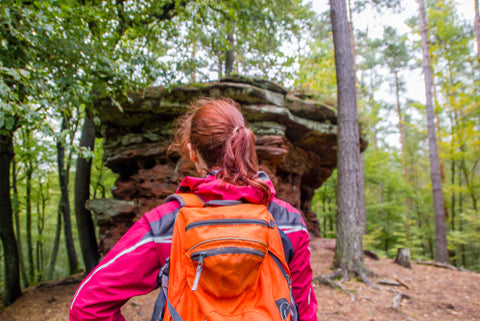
198, 273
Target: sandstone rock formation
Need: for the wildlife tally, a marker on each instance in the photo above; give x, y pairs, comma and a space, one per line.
296, 145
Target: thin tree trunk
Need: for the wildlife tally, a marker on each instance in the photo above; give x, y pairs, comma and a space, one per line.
324, 210
56, 242
16, 212
12, 289
361, 178
382, 215
41, 205
67, 228
99, 186
400, 126
194, 53
28, 206
441, 253
85, 226
402, 136
460, 208
468, 181
453, 199
437, 128
453, 167
220, 63
230, 55
349, 246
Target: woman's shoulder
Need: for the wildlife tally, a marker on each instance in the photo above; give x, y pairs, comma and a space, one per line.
288, 218
162, 218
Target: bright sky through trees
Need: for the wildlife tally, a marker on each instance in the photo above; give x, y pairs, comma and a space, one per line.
374, 22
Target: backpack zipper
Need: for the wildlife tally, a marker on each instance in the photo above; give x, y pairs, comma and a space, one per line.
227, 239
199, 256
228, 221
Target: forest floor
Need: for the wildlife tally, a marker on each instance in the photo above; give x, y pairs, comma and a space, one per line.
431, 293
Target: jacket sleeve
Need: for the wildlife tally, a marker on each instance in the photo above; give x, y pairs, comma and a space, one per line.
301, 271
130, 268
290, 221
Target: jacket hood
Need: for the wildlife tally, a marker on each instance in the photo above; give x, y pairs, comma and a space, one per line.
211, 188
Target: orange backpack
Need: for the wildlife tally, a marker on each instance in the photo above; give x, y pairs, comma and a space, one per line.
226, 263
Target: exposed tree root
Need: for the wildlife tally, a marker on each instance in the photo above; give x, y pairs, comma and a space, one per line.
443, 265
328, 280
67, 280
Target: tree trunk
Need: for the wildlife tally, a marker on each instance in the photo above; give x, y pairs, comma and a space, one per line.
349, 246
402, 136
194, 52
41, 206
460, 221
453, 200
470, 186
361, 178
230, 55
400, 126
18, 233
85, 226
28, 206
403, 257
12, 289
56, 242
441, 253
67, 224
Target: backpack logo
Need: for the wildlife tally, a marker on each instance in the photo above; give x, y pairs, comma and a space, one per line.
227, 264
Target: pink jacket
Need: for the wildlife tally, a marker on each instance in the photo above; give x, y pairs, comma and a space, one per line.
131, 267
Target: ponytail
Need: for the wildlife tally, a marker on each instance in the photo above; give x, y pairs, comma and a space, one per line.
217, 131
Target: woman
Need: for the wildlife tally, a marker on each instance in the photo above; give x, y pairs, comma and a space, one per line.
215, 138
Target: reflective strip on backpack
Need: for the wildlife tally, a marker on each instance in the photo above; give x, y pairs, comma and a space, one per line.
228, 222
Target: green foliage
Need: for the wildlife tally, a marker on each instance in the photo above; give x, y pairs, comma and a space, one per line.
58, 58
324, 204
102, 178
316, 75
399, 205
261, 30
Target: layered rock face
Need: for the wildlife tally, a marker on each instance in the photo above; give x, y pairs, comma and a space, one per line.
295, 138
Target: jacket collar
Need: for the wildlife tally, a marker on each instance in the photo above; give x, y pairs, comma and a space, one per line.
212, 188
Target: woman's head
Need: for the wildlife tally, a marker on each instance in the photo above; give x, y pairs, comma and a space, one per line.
214, 132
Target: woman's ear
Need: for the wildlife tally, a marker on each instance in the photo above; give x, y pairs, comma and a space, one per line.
192, 153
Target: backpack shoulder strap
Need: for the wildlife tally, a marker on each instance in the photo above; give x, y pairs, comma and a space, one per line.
186, 199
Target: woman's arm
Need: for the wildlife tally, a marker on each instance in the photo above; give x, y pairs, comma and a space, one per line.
290, 221
301, 271
130, 268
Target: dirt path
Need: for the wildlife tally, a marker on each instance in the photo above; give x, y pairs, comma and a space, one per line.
436, 294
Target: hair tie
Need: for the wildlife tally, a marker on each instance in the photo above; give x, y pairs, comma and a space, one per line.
236, 129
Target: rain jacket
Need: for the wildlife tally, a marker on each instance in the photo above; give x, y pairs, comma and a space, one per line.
131, 267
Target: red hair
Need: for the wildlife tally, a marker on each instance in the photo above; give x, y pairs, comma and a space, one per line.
216, 130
